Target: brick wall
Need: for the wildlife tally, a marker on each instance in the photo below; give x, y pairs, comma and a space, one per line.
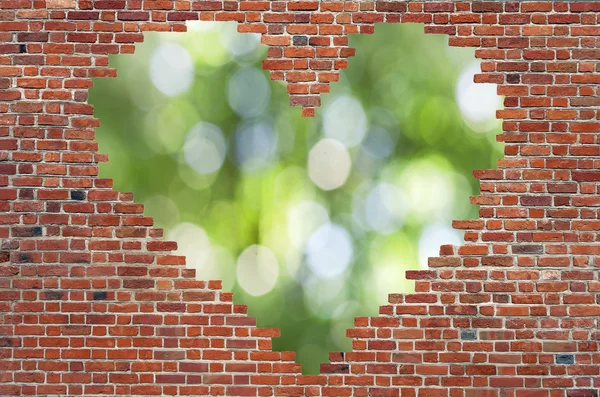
94, 302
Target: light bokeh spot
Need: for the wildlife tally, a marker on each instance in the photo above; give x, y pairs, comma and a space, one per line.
193, 242
345, 120
255, 145
257, 270
171, 69
248, 92
477, 102
205, 148
304, 218
329, 164
429, 189
329, 251
324, 296
385, 208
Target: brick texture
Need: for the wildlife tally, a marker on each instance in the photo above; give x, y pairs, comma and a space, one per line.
94, 302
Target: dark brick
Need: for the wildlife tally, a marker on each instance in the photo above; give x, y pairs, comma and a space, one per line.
109, 4
99, 295
536, 200
139, 283
565, 359
27, 231
133, 15
302, 18
24, 258
528, 249
486, 6
300, 40
54, 295
28, 59
582, 393
22, 48
32, 36
468, 334
77, 195
83, 15
390, 6
513, 78
335, 368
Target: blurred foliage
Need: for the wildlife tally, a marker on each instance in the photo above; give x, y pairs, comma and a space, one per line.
210, 145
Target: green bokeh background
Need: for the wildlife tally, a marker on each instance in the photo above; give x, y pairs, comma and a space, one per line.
405, 82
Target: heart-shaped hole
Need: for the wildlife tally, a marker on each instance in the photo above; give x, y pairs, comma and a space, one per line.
310, 222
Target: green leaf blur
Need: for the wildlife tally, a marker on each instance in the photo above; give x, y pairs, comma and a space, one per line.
221, 162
